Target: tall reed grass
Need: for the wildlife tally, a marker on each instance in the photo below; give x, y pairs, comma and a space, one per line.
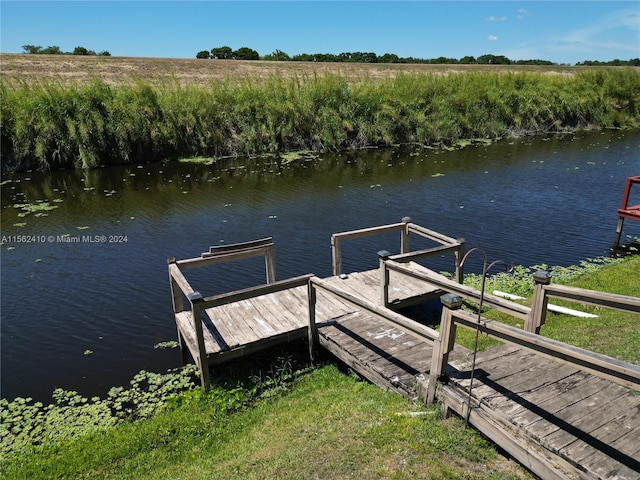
54, 125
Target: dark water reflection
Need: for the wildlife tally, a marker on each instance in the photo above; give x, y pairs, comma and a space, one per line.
544, 200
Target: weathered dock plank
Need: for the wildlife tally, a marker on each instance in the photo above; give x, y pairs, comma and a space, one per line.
554, 409
385, 355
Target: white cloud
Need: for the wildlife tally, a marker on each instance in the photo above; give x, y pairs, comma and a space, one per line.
496, 19
522, 13
492, 38
602, 35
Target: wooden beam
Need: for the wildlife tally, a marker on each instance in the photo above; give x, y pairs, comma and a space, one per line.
444, 344
367, 232
219, 259
620, 372
270, 263
431, 234
539, 303
234, 247
448, 285
591, 297
336, 255
420, 254
337, 238
176, 292
251, 292
313, 330
176, 275
202, 359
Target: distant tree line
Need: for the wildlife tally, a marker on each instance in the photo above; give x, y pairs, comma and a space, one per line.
226, 53
55, 50
246, 53
634, 62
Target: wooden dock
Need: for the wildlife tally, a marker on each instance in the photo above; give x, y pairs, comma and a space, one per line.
560, 411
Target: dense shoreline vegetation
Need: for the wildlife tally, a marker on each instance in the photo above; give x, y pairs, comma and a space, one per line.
52, 125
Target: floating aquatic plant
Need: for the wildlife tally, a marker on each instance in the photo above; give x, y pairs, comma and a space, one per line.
169, 344
38, 207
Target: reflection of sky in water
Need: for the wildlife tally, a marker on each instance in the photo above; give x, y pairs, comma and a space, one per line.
533, 201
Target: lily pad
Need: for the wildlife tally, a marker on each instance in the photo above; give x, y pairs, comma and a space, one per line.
200, 160
37, 207
291, 157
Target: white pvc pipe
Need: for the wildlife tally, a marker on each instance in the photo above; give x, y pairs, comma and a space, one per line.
553, 308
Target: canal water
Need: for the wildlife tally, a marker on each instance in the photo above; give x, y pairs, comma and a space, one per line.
85, 295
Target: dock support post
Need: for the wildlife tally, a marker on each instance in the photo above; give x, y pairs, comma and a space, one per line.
538, 314
405, 247
444, 344
203, 363
178, 306
384, 278
616, 242
459, 266
313, 329
270, 263
336, 254
176, 293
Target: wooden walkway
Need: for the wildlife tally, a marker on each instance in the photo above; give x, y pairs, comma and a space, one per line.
555, 418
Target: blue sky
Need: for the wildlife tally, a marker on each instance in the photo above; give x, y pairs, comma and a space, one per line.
560, 31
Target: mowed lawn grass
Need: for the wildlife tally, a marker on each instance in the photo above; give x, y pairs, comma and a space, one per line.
328, 425
614, 333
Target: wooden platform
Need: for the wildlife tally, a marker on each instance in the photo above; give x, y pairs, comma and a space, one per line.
238, 328
563, 412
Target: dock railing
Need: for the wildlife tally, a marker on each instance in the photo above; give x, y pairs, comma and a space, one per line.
217, 255
181, 289
620, 372
406, 228
543, 290
446, 284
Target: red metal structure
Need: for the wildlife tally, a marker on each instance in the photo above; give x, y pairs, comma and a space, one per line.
627, 211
